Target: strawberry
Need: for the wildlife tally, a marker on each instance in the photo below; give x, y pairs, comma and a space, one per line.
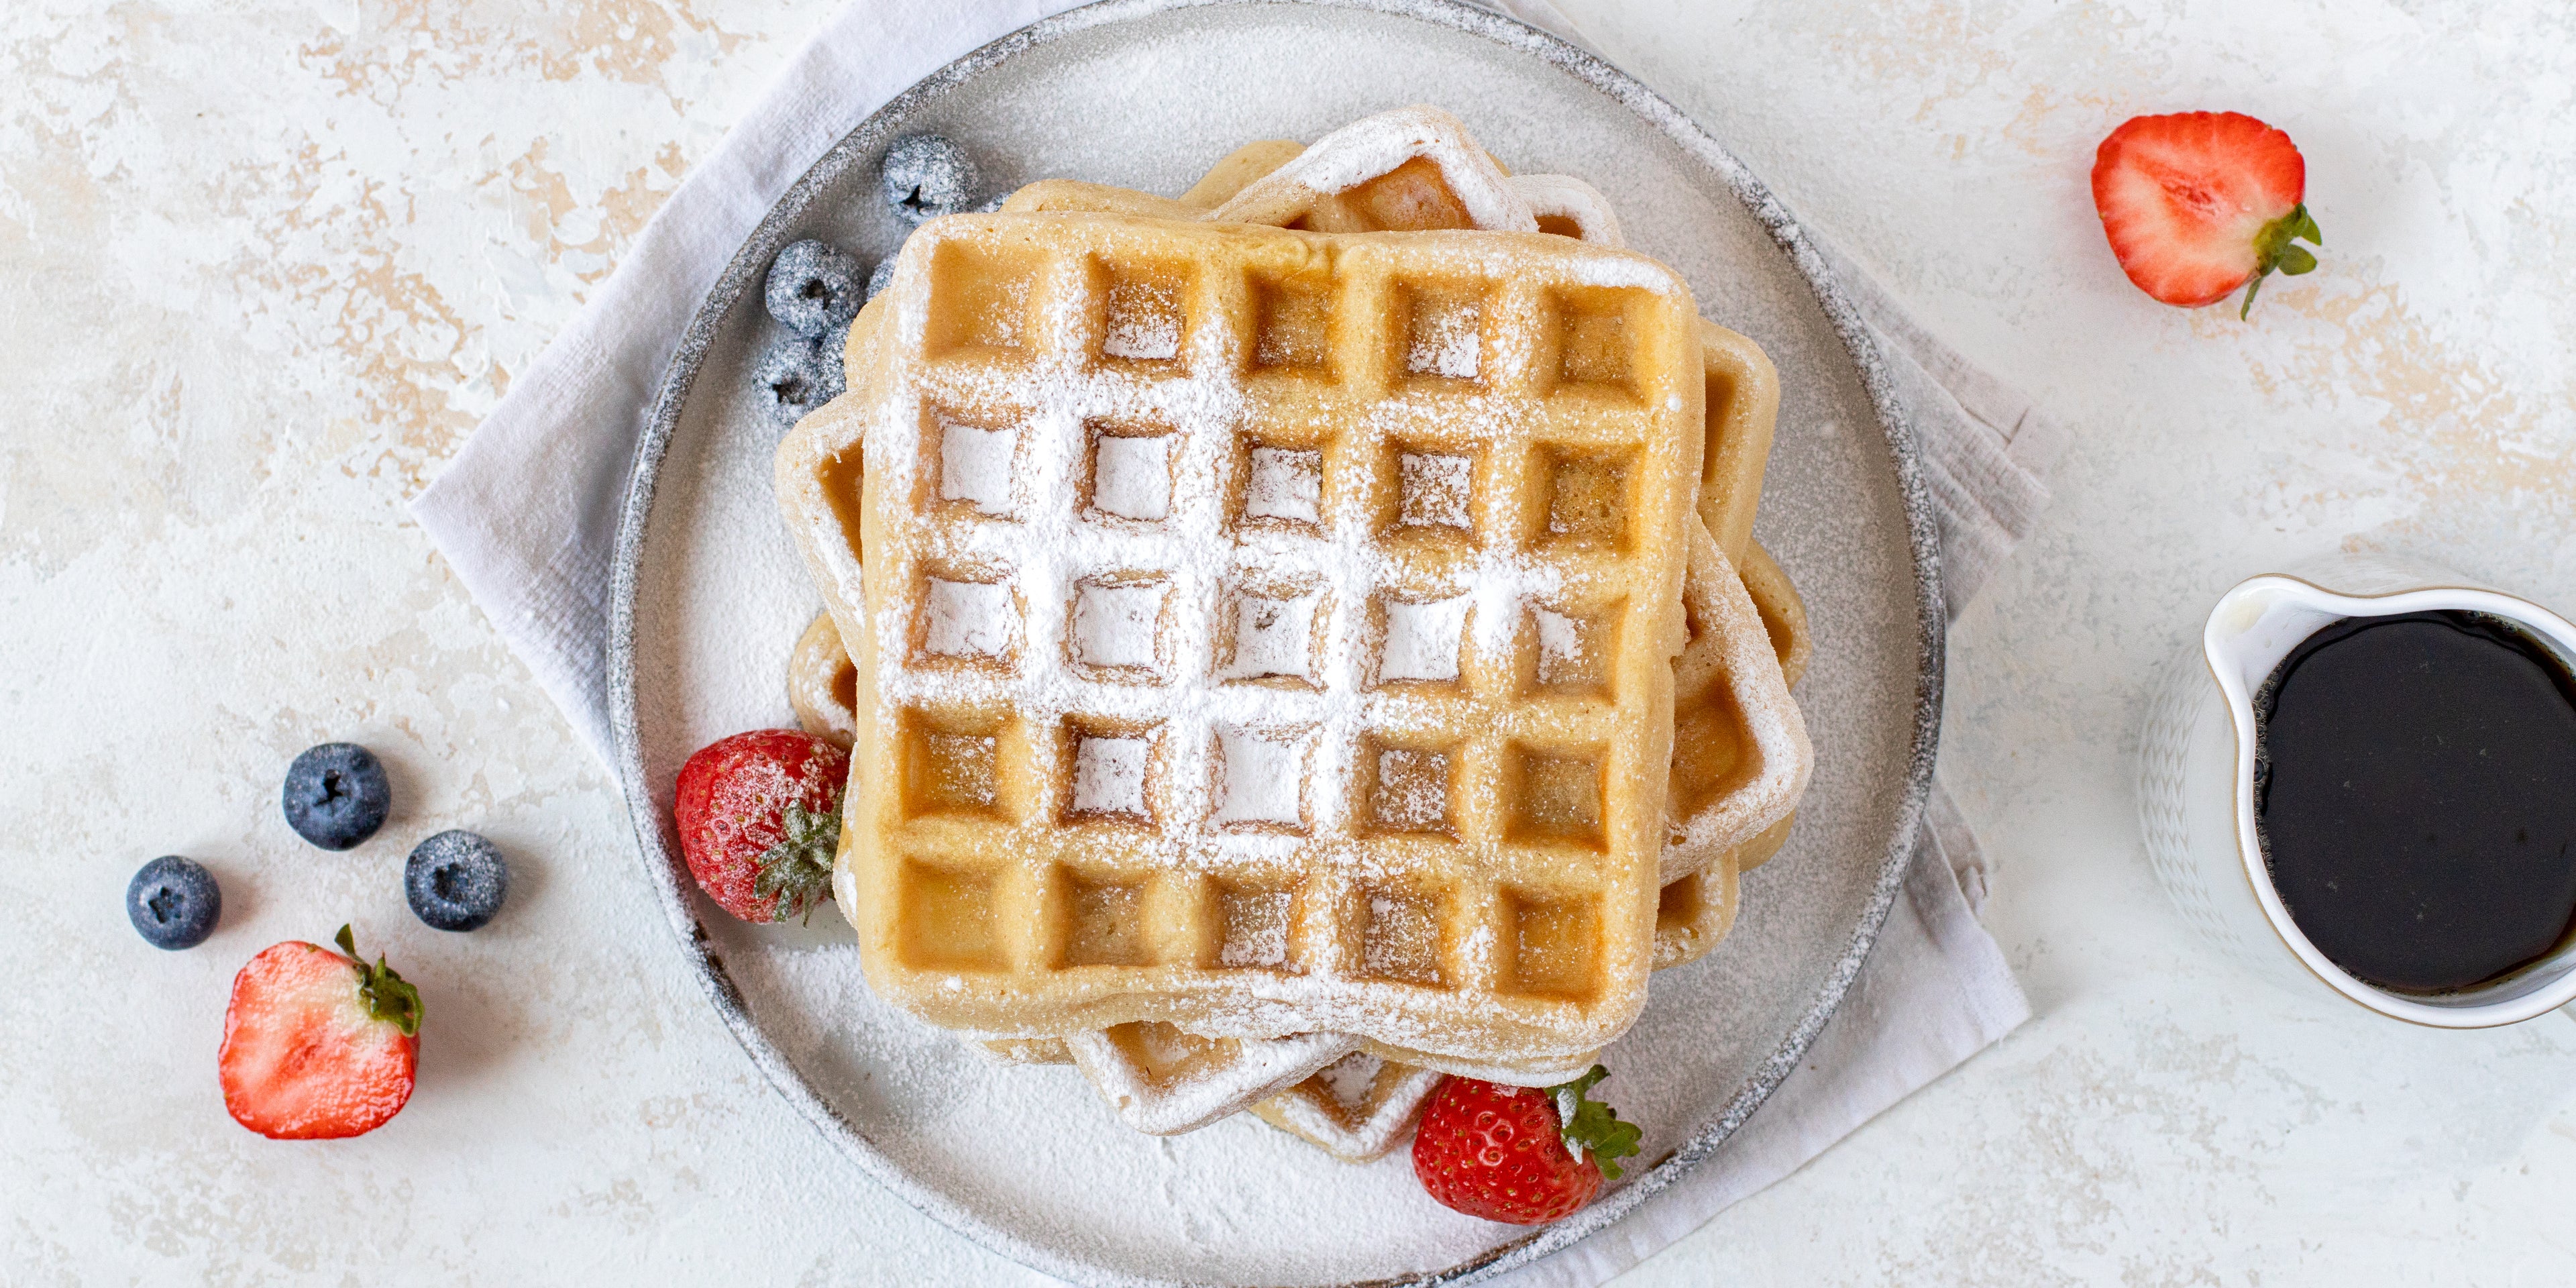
760, 815
1517, 1155
318, 1045
2200, 203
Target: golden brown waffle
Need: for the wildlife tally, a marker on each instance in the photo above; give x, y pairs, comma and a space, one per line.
1741, 757
1739, 413
1025, 1050
1163, 1081
1497, 422
1411, 169
1356, 1109
1695, 909
822, 683
1784, 614
1708, 771
1239, 168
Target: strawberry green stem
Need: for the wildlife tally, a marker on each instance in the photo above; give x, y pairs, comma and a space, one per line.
797, 872
2275, 248
1591, 1125
387, 994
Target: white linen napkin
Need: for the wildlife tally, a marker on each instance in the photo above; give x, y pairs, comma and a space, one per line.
1935, 989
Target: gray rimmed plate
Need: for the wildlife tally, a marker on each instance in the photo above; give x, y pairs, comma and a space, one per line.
710, 594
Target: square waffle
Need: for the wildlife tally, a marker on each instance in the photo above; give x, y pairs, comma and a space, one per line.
1201, 646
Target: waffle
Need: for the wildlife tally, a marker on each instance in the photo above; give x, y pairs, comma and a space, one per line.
1356, 1109
1239, 168
1737, 766
1412, 169
1784, 614
1464, 871
822, 683
1694, 910
1741, 757
1163, 1081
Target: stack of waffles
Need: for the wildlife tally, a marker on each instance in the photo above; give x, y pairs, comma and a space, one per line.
1299, 638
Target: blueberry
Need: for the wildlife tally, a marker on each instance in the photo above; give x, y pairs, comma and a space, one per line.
926, 176
813, 285
456, 881
883, 277
795, 377
832, 361
336, 795
173, 902
991, 205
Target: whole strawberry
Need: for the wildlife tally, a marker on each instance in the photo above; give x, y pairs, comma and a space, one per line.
759, 816
1518, 1155
318, 1045
2199, 203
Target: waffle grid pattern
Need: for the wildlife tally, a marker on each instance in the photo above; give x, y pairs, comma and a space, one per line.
1368, 728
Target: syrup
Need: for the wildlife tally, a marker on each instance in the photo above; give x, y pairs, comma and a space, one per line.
2415, 792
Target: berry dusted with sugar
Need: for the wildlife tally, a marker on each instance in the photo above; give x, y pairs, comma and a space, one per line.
793, 378
759, 817
991, 205
318, 1045
173, 902
456, 881
831, 361
337, 795
882, 278
926, 176
814, 286
1518, 1155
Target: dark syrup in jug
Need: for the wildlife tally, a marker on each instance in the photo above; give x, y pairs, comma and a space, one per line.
2415, 790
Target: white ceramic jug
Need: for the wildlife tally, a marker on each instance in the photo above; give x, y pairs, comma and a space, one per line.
2196, 776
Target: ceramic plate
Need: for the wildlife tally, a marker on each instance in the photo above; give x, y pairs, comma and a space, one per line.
1146, 94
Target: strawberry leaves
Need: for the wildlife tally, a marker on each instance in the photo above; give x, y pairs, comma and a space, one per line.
797, 871
2276, 249
1591, 1125
389, 997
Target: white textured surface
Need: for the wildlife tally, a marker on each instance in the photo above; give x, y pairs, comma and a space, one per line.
263, 270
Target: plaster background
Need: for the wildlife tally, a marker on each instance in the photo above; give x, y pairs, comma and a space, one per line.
263, 266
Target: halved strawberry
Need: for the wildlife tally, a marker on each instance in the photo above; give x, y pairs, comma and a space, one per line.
759, 815
2197, 204
317, 1044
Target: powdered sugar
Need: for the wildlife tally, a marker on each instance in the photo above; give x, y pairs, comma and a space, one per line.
1560, 644
1144, 322
1263, 775
1423, 640
1160, 1080
1114, 625
1445, 342
1256, 930
1348, 1078
1132, 477
968, 619
1566, 197
1285, 484
975, 466
1372, 146
1435, 491
1109, 775
1274, 637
